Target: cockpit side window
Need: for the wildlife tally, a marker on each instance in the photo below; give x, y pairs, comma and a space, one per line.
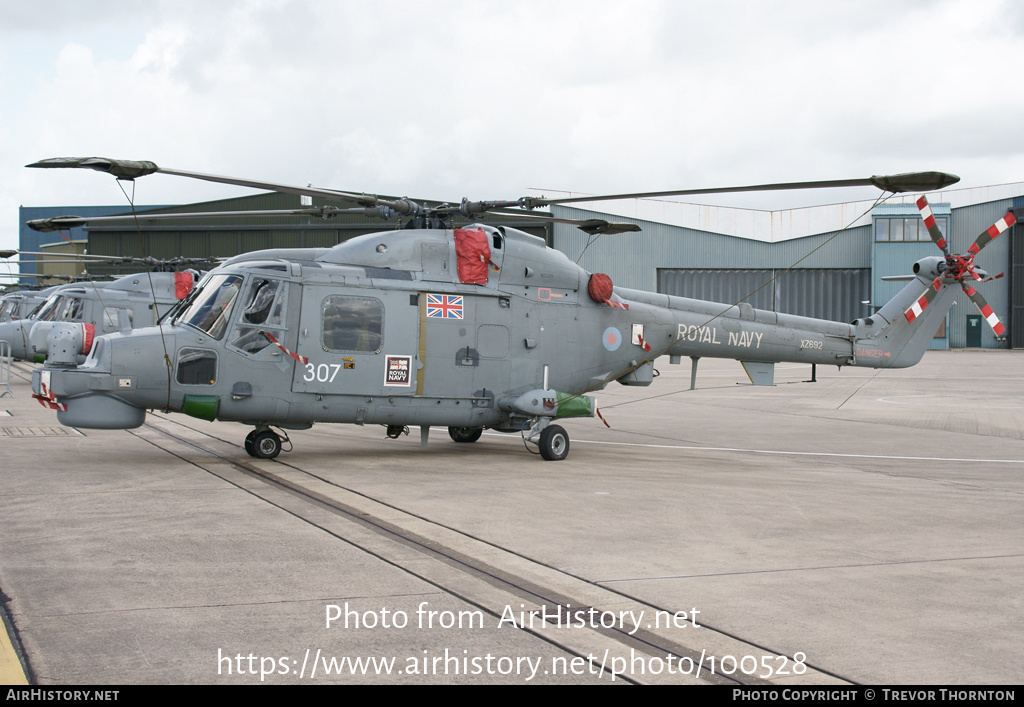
258, 302
263, 311
110, 316
72, 310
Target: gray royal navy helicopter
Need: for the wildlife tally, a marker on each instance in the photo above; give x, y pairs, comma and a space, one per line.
467, 328
21, 303
97, 307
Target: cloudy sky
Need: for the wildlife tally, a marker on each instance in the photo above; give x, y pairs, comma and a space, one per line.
445, 98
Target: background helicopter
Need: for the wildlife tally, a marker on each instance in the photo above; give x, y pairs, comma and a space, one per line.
470, 328
135, 300
20, 303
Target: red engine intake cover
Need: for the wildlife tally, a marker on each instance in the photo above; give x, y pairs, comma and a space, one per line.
473, 254
600, 287
88, 334
182, 284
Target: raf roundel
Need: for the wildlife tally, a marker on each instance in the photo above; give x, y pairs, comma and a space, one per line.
612, 338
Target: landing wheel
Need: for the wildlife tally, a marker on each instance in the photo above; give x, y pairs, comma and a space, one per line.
465, 434
250, 444
554, 443
266, 444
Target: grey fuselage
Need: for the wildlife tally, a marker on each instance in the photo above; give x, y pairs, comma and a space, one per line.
382, 329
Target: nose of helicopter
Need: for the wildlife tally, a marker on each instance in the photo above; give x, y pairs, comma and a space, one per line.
56, 389
16, 334
84, 395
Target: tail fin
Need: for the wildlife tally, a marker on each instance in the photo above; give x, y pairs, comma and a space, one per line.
898, 334
902, 342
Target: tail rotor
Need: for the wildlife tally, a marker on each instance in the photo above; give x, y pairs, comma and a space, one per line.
960, 268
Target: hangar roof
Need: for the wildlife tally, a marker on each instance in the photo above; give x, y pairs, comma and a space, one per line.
776, 226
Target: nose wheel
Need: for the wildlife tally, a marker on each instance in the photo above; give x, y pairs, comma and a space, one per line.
264, 443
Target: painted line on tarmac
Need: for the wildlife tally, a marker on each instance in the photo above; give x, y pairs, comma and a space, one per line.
11, 672
801, 454
996, 402
781, 452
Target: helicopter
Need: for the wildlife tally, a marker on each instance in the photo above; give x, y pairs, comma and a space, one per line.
97, 307
20, 304
469, 328
15, 330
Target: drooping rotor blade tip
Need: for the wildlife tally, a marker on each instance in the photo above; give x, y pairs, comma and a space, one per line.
914, 181
56, 223
609, 228
122, 169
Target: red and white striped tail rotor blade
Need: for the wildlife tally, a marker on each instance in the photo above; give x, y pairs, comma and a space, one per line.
986, 311
933, 227
917, 308
990, 234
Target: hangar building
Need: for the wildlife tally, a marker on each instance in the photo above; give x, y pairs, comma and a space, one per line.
820, 261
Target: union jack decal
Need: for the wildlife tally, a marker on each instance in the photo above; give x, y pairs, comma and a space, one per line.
444, 306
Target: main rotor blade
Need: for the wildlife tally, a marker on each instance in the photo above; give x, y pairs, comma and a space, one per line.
84, 256
57, 223
985, 309
52, 261
912, 181
132, 169
107, 259
592, 226
122, 169
39, 276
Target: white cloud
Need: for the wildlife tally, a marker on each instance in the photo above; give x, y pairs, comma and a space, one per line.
450, 99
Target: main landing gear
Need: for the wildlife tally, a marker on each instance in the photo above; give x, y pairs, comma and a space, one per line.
264, 443
551, 440
554, 443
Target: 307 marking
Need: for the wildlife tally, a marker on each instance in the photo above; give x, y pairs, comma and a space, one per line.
324, 373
